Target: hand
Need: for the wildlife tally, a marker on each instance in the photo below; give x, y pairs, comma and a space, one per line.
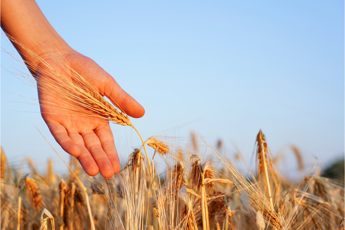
87, 138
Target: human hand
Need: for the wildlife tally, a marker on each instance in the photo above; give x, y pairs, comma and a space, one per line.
87, 138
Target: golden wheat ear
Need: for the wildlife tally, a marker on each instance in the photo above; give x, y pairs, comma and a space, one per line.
34, 192
158, 146
262, 154
298, 156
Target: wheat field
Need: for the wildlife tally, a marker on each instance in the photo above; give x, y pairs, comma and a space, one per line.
193, 191
190, 193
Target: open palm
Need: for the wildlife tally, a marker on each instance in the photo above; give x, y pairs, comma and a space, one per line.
88, 138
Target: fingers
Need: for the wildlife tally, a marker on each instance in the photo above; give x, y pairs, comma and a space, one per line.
61, 136
109, 87
85, 158
94, 146
122, 99
107, 141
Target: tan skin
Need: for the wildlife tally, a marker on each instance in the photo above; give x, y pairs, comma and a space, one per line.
87, 138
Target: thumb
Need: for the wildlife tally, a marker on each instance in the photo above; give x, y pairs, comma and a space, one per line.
122, 100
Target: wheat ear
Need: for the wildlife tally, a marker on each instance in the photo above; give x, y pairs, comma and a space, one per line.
44, 224
159, 146
263, 168
2, 164
298, 156
34, 192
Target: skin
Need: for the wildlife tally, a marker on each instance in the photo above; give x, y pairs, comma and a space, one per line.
88, 139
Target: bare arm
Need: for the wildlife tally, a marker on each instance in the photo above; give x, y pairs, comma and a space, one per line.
87, 138
24, 20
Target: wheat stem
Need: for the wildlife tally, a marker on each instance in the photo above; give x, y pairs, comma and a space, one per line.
79, 182
226, 222
72, 203
19, 209
204, 212
147, 156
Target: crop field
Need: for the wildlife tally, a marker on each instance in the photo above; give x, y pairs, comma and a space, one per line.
193, 191
190, 194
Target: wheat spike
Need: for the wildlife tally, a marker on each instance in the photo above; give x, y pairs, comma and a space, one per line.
262, 154
219, 145
188, 215
187, 211
298, 156
2, 164
194, 142
34, 192
159, 146
44, 220
31, 164
178, 178
180, 155
50, 172
260, 222
195, 173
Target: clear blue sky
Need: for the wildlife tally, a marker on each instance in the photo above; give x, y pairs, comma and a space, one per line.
228, 68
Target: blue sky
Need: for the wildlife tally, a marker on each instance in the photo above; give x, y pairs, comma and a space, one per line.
225, 68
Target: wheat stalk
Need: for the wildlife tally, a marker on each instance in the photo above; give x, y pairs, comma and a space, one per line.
4, 219
73, 187
80, 184
19, 211
63, 189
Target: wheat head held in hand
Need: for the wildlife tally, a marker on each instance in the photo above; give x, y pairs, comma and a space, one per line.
71, 88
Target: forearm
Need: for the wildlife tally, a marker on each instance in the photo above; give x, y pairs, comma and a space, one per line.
23, 20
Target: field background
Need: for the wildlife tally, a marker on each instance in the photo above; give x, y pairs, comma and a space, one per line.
224, 69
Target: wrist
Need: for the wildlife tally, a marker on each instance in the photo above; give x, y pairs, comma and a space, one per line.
54, 55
